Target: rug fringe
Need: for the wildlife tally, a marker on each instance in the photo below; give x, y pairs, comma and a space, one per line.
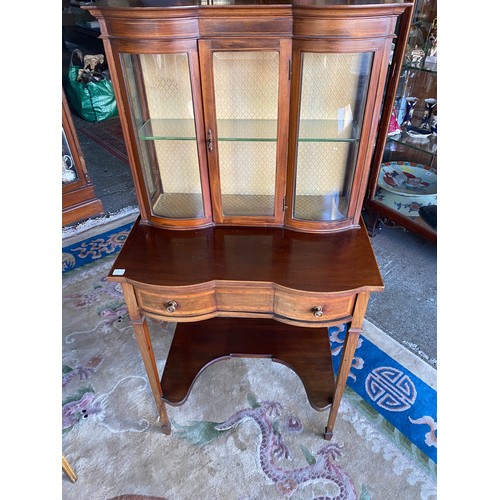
79, 228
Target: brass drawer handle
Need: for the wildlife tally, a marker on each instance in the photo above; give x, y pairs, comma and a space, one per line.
171, 306
318, 311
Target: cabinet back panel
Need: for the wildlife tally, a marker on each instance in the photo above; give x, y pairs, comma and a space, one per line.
246, 91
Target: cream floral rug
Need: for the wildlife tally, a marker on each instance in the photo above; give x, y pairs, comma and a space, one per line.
246, 432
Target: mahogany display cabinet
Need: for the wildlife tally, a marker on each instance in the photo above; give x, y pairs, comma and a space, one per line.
79, 200
402, 190
250, 128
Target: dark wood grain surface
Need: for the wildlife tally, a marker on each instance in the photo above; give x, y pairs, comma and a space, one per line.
332, 262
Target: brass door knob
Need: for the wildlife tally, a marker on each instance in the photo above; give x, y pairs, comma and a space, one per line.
171, 306
318, 311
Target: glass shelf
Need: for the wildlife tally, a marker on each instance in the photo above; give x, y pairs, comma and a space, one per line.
247, 130
250, 130
328, 131
425, 145
432, 70
171, 129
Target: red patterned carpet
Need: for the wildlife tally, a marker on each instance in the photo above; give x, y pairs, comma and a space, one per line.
108, 134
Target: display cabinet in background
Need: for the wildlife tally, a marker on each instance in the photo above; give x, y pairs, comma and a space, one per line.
79, 200
403, 185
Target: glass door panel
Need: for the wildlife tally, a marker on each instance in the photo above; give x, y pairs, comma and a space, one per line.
333, 91
246, 102
160, 95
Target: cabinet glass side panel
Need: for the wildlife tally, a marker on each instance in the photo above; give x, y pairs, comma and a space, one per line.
333, 93
160, 97
246, 101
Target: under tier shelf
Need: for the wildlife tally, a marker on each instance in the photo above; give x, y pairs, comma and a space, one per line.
197, 345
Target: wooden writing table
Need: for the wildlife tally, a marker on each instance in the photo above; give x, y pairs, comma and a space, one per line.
259, 292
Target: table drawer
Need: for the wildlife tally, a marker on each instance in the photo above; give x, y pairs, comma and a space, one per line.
173, 304
312, 307
245, 299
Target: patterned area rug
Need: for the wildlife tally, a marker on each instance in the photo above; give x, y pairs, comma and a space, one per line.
93, 248
246, 431
109, 135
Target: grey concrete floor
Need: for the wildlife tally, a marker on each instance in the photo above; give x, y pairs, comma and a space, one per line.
112, 178
406, 310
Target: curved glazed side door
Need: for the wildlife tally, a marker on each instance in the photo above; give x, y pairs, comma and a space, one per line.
245, 85
164, 113
336, 94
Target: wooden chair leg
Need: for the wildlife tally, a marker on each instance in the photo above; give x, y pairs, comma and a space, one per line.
68, 470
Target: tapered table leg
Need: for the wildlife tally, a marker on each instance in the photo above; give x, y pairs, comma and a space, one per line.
350, 344
143, 338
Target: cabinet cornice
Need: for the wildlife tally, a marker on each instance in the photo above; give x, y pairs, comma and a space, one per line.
257, 20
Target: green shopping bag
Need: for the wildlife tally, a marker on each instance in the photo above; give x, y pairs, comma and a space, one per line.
89, 92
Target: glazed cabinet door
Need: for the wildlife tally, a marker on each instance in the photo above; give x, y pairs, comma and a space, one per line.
336, 94
161, 80
245, 86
